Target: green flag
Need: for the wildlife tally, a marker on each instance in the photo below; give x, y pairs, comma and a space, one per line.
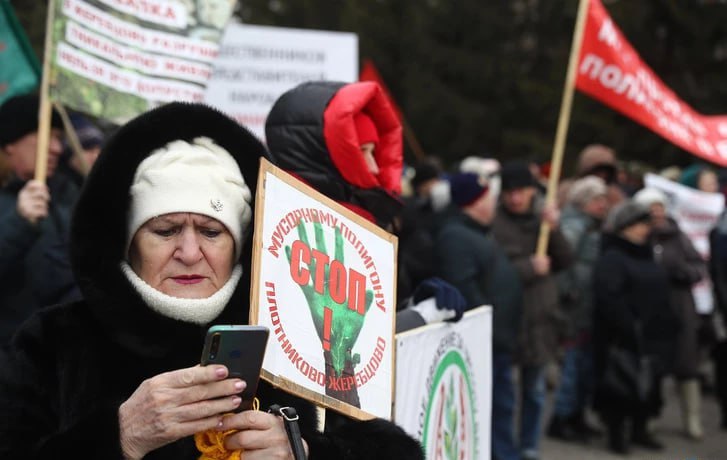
19, 67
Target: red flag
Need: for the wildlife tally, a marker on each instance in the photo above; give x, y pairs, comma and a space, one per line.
611, 71
370, 73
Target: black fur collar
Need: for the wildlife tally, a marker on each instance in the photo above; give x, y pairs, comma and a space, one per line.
99, 223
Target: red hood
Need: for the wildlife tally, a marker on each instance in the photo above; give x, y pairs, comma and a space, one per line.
342, 142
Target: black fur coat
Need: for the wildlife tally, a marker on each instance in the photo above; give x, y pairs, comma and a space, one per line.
69, 368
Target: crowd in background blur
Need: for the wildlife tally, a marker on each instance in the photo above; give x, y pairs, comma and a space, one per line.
623, 297
615, 282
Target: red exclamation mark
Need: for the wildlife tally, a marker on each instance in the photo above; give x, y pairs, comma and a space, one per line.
327, 319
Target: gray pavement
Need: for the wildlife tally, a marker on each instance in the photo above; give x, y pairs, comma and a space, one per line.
667, 429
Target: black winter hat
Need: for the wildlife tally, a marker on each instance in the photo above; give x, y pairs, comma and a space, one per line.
516, 174
424, 172
466, 188
626, 214
19, 116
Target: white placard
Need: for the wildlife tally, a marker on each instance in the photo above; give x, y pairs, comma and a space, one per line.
324, 284
444, 386
116, 59
256, 64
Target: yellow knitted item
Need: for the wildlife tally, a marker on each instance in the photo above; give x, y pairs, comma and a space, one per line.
211, 443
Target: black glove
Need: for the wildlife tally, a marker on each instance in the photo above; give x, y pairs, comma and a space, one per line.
447, 297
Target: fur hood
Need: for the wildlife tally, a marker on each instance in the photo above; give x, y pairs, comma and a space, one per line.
98, 229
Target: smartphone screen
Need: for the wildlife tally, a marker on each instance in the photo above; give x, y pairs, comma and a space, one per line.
241, 349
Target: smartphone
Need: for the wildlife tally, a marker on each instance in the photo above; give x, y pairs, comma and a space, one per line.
241, 349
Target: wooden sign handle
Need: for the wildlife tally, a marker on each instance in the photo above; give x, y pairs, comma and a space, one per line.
44, 113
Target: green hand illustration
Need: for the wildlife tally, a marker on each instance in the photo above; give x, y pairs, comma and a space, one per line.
451, 438
345, 323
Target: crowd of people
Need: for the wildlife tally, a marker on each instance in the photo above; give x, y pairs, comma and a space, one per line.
610, 305
110, 278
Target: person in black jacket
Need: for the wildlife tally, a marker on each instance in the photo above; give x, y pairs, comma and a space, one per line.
685, 267
160, 245
468, 256
632, 311
345, 141
718, 272
34, 217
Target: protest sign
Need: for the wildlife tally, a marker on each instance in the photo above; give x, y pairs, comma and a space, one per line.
611, 71
19, 67
323, 282
444, 386
115, 59
696, 213
257, 64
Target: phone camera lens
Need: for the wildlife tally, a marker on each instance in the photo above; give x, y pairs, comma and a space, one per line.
215, 346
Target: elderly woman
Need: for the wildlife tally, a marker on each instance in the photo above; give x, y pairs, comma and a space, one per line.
160, 248
685, 267
631, 313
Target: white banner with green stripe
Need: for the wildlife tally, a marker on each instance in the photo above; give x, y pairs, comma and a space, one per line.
444, 386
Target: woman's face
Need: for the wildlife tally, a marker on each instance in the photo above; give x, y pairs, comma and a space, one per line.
367, 150
658, 214
597, 207
183, 255
707, 182
637, 233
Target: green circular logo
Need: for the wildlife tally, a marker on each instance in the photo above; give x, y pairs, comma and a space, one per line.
450, 430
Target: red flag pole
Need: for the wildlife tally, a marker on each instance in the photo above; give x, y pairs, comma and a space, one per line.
44, 113
370, 73
412, 140
563, 121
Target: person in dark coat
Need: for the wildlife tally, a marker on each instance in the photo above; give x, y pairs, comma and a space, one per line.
685, 267
516, 228
420, 215
34, 217
632, 310
468, 257
160, 246
718, 272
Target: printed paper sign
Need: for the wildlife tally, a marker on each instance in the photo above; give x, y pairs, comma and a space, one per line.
324, 284
115, 59
257, 64
444, 386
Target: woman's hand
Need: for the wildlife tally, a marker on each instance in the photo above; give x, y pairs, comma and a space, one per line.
261, 435
174, 405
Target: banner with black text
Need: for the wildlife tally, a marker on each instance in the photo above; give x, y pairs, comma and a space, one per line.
115, 59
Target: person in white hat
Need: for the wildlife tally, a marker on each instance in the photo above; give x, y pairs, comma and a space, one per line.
161, 250
581, 222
